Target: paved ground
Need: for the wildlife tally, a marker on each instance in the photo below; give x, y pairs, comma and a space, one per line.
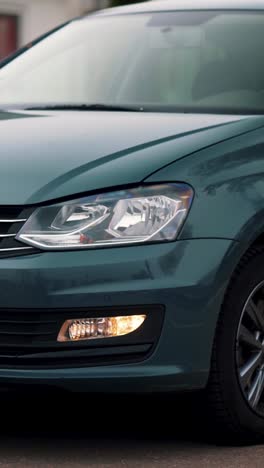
55, 430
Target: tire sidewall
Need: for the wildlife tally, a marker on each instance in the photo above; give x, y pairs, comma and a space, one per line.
242, 286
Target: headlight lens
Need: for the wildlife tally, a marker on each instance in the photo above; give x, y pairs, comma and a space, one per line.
146, 214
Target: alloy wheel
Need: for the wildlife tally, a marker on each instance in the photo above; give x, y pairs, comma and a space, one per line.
250, 350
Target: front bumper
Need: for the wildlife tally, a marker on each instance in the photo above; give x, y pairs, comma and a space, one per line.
187, 278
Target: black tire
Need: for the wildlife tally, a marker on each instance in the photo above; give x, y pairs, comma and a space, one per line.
232, 417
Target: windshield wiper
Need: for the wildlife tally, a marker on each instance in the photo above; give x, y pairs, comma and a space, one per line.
86, 107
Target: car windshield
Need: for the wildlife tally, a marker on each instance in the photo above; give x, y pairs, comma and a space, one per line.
193, 61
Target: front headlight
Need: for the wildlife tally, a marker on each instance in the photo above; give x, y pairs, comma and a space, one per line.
142, 215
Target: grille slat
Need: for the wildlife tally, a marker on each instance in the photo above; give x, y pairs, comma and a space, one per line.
12, 249
11, 221
25, 334
26, 322
27, 330
7, 235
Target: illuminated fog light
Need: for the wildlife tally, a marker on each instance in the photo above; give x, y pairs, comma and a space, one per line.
94, 328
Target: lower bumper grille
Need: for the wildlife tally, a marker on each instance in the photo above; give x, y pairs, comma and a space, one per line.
28, 339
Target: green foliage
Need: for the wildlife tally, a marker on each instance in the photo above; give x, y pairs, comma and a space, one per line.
123, 2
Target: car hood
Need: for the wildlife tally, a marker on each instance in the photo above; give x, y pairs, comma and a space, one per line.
49, 155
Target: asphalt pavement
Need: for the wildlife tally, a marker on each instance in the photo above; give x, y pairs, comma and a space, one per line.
53, 430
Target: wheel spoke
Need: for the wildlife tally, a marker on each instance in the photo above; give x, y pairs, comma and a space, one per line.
255, 314
249, 339
247, 370
256, 389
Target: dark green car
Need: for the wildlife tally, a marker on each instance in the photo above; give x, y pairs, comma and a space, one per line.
132, 207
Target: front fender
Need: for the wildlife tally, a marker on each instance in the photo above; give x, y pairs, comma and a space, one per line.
228, 180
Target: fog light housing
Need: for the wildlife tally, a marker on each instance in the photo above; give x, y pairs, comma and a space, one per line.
96, 328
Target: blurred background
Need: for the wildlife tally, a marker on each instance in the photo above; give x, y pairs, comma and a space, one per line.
21, 21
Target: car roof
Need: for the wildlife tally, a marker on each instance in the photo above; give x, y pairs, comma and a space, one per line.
179, 5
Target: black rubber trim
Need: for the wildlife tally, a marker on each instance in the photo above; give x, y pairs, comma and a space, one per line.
28, 338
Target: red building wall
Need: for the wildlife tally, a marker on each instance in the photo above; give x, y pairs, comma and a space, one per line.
8, 35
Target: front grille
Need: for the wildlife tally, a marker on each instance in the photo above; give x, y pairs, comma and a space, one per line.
11, 221
28, 338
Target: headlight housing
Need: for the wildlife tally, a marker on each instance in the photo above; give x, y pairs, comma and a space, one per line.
142, 215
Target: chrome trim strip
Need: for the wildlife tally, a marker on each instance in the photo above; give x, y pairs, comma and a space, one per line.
13, 220
4, 236
16, 248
